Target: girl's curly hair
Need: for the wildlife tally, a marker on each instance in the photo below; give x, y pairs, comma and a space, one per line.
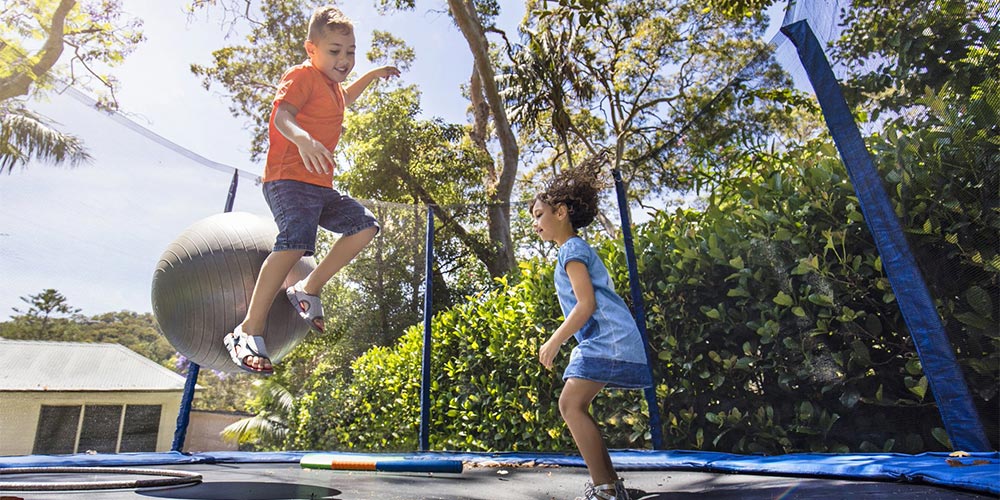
578, 189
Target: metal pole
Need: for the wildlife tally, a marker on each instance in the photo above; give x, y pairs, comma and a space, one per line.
425, 376
232, 192
191, 382
639, 311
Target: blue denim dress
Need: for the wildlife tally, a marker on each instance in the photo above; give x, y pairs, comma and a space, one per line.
609, 348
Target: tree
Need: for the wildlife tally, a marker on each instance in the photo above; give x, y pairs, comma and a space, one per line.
912, 46
45, 306
272, 406
96, 32
25, 136
635, 77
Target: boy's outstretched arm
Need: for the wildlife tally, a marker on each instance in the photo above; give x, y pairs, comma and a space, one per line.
358, 86
316, 157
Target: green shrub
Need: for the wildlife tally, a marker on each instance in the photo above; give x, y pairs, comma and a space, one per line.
775, 325
775, 328
489, 392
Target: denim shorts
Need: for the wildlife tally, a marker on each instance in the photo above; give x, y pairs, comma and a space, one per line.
300, 208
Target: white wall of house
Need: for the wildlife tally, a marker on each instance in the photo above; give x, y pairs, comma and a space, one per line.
20, 412
205, 431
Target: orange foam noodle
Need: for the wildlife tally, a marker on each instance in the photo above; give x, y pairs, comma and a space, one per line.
378, 463
346, 464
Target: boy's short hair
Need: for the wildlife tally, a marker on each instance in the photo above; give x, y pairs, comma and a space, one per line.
328, 18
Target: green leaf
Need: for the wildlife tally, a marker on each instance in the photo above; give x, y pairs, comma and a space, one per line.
850, 398
920, 389
806, 411
979, 300
783, 299
821, 299
974, 320
941, 436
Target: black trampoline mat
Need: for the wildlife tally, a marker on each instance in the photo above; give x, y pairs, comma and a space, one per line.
289, 481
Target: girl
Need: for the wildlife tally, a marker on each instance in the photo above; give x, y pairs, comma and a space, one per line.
610, 350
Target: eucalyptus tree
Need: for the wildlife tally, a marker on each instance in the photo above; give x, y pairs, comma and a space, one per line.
94, 34
632, 77
911, 48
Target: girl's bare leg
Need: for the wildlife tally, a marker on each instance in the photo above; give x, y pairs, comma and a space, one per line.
574, 405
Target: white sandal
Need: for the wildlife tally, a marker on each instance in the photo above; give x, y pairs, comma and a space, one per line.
241, 346
309, 307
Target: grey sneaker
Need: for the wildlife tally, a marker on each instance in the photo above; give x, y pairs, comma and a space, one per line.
609, 491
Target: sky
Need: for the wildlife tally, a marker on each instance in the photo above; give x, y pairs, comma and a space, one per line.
95, 232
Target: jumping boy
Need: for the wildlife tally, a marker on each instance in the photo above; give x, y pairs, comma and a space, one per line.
306, 122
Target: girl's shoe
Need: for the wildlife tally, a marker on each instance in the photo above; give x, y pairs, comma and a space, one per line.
609, 491
308, 306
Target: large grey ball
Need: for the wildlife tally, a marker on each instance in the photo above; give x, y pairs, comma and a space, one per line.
203, 283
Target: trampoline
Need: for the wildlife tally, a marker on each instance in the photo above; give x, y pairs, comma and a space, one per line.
514, 476
649, 473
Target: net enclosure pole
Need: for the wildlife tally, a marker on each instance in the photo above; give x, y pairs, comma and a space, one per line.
191, 381
937, 356
639, 311
425, 372
184, 413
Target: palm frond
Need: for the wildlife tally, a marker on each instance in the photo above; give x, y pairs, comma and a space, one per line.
261, 427
26, 136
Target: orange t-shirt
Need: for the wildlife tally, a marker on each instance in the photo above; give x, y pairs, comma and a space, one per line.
320, 102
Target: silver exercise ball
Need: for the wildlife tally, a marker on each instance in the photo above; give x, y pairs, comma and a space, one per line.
203, 283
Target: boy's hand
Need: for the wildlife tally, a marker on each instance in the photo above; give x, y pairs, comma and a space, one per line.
316, 157
386, 72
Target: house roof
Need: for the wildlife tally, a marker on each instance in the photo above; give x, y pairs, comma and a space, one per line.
32, 365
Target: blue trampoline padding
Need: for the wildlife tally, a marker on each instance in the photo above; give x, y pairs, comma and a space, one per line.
930, 468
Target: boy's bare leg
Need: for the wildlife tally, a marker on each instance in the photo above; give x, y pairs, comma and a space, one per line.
343, 251
574, 405
272, 276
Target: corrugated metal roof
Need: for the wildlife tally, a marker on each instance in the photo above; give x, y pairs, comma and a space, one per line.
32, 365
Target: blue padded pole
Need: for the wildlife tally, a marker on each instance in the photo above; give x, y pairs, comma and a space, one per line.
191, 382
639, 311
937, 357
184, 414
425, 375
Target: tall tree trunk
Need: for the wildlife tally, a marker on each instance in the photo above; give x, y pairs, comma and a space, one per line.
501, 186
19, 83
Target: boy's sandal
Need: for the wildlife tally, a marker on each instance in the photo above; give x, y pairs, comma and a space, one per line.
241, 346
308, 306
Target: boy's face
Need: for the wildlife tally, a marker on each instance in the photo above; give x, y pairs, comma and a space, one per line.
333, 53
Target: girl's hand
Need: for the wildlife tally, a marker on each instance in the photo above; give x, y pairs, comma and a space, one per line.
547, 353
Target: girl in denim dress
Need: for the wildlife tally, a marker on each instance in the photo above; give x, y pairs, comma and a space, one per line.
609, 350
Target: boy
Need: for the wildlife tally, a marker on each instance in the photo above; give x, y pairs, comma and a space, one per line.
305, 125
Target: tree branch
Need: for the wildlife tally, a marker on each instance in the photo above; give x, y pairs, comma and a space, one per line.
19, 83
